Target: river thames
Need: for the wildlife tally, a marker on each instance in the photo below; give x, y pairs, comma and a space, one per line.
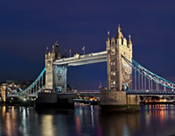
152, 120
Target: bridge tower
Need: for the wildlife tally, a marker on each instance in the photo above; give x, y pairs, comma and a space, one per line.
49, 58
119, 72
56, 76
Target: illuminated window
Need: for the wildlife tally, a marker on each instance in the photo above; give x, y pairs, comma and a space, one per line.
112, 51
112, 85
112, 63
112, 73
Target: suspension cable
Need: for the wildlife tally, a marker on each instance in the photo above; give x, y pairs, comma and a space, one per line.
145, 83
149, 75
135, 80
42, 80
138, 81
142, 81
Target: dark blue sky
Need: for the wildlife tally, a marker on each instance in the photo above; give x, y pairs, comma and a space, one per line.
28, 27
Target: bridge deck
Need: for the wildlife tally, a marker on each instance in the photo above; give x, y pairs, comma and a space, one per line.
97, 94
83, 59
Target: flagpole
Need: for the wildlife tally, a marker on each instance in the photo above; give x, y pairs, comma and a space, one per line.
70, 52
83, 49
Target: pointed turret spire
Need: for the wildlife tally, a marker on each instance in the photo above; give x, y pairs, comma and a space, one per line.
65, 54
129, 41
119, 34
108, 36
119, 29
57, 51
53, 49
46, 50
56, 44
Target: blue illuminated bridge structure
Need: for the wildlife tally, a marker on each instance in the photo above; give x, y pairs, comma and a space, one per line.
144, 81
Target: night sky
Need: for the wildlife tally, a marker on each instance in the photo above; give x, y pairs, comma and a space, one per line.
28, 27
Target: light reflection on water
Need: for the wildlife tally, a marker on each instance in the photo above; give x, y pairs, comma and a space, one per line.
152, 120
47, 126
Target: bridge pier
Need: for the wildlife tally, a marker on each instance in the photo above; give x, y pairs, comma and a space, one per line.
118, 101
133, 100
52, 100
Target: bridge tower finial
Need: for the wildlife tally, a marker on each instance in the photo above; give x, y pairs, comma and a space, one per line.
108, 36
56, 44
46, 50
129, 41
119, 29
119, 34
53, 49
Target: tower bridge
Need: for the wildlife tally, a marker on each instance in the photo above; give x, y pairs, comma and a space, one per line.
118, 71
127, 79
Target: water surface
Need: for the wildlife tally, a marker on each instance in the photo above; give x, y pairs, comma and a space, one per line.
152, 120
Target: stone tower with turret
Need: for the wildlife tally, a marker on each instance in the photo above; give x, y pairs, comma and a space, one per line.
49, 59
56, 76
118, 71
